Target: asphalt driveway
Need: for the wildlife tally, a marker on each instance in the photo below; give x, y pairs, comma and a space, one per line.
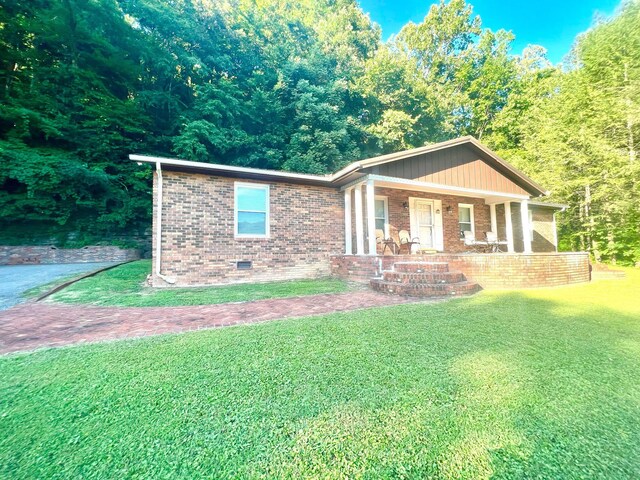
15, 279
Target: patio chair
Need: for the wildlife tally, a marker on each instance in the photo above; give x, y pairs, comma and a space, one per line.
477, 246
406, 242
495, 245
385, 242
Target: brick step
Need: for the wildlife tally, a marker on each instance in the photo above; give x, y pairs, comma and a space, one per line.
425, 289
419, 267
423, 277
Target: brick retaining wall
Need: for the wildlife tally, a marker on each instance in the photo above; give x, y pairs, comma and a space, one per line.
491, 271
35, 255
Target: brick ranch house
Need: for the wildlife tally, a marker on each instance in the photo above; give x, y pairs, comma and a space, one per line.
218, 224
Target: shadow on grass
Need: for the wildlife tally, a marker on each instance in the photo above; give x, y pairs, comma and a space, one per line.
503, 385
125, 286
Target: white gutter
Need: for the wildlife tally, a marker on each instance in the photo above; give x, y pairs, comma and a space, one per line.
169, 280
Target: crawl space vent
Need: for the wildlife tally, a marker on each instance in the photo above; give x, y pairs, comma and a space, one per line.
244, 265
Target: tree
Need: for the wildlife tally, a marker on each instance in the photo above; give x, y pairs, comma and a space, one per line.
469, 69
304, 86
577, 134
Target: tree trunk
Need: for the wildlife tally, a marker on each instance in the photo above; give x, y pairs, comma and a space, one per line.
583, 246
591, 224
627, 99
73, 38
11, 69
611, 244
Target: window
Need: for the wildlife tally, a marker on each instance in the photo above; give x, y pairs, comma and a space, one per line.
465, 219
382, 214
251, 210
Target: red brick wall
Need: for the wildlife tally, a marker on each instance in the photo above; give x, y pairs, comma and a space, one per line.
524, 271
542, 240
500, 220
198, 244
516, 222
492, 271
358, 268
543, 234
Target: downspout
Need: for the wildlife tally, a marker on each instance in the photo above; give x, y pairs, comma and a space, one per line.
169, 280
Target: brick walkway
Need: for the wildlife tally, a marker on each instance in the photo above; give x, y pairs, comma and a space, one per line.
33, 325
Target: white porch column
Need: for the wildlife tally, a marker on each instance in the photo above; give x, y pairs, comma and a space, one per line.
371, 217
526, 228
508, 226
494, 221
359, 220
348, 249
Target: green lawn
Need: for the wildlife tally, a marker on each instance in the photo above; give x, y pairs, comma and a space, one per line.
519, 384
45, 287
124, 286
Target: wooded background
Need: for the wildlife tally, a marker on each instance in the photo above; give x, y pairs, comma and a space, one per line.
305, 86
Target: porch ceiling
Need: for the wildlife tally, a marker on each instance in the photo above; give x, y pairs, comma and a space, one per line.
489, 197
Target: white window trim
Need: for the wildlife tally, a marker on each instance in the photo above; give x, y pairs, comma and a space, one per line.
385, 199
471, 216
257, 186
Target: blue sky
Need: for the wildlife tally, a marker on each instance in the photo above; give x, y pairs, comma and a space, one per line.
551, 23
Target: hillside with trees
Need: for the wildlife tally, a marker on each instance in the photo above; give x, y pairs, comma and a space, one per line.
304, 86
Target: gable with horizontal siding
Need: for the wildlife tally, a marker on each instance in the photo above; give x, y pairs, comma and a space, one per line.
458, 166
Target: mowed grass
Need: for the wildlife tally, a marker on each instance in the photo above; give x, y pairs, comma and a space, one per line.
519, 384
125, 286
40, 289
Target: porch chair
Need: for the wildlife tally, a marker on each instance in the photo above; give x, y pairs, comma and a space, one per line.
495, 245
477, 246
385, 242
406, 242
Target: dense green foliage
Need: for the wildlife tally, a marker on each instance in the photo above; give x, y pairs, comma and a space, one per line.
578, 132
513, 385
304, 86
124, 286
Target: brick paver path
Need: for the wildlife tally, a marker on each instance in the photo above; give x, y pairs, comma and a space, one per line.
33, 325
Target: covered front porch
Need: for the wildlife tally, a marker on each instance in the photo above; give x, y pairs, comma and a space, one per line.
380, 210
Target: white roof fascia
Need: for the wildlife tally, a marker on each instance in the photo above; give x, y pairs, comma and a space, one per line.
229, 168
557, 206
359, 181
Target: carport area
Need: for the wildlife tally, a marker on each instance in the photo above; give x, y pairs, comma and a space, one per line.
16, 279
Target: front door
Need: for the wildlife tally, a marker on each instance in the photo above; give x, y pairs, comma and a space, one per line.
424, 222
